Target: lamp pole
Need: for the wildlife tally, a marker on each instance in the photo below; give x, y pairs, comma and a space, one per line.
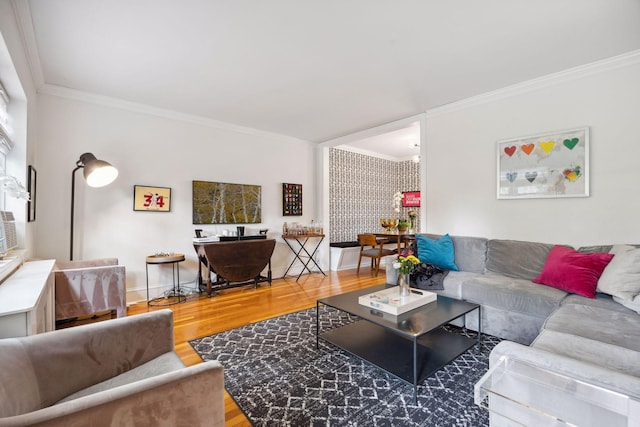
73, 192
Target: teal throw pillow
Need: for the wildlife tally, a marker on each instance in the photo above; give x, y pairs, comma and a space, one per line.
437, 252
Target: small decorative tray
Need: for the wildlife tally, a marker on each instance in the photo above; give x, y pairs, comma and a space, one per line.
390, 301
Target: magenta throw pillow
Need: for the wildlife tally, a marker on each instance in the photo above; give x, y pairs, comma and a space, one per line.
573, 271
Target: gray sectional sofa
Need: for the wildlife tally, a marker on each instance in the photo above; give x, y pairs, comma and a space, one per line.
595, 341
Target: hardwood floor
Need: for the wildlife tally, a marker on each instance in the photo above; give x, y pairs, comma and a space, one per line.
201, 316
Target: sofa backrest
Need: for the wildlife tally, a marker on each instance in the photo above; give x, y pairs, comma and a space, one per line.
517, 259
470, 253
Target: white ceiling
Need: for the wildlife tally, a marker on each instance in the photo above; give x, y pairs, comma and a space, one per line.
316, 70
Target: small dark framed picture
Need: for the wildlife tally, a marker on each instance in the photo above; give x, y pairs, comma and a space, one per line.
155, 199
291, 199
31, 187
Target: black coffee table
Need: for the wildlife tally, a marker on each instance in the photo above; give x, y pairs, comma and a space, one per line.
410, 346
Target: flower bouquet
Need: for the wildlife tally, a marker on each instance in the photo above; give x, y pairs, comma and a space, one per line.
405, 264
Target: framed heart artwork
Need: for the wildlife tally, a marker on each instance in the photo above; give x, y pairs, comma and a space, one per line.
547, 165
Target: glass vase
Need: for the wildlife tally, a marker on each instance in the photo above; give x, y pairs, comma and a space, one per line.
403, 283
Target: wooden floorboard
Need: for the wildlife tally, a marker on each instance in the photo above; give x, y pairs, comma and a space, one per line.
201, 316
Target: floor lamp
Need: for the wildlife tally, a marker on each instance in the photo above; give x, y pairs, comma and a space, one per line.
97, 173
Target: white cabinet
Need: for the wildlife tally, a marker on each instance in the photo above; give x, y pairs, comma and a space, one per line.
27, 303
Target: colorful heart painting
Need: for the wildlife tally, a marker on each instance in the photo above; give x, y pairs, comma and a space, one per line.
547, 146
572, 174
528, 148
510, 150
511, 176
531, 176
570, 143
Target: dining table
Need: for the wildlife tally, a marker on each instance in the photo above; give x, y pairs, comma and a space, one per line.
401, 237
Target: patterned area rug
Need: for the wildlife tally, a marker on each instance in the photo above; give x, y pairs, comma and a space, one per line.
278, 378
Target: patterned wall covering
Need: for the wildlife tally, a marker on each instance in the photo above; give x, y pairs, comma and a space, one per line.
361, 192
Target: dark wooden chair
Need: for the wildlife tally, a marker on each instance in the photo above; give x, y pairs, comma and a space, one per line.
238, 262
373, 247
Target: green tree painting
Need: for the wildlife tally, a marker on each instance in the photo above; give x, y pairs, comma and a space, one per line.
223, 203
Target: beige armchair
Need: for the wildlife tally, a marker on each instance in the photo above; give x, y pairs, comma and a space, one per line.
88, 287
120, 372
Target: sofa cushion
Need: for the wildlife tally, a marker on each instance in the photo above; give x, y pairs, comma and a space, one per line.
511, 294
603, 301
621, 277
438, 252
521, 260
470, 253
167, 362
573, 271
598, 353
634, 304
454, 281
621, 329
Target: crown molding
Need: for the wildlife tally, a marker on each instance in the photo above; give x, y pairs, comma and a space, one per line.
615, 62
22, 12
374, 131
107, 101
369, 153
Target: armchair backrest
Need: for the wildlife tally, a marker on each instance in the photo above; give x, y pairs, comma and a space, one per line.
98, 262
39, 370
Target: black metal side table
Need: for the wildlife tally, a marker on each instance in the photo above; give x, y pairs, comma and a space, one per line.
175, 295
301, 253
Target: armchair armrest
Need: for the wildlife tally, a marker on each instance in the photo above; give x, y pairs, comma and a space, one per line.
196, 393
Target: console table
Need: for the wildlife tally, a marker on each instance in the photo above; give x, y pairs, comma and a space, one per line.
236, 262
305, 258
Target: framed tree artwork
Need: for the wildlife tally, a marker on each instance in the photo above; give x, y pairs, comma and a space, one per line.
226, 203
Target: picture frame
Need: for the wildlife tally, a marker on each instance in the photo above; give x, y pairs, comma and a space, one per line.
291, 199
151, 199
32, 178
545, 165
226, 203
410, 199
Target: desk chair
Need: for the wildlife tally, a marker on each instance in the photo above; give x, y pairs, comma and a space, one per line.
372, 247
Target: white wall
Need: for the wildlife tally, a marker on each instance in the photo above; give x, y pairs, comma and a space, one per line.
461, 161
155, 151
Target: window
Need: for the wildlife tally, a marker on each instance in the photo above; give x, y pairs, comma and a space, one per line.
5, 141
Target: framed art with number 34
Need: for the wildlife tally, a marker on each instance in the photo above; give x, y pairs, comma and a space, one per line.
546, 165
155, 199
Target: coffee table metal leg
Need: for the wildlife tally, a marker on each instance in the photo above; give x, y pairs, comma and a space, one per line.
479, 327
317, 324
415, 371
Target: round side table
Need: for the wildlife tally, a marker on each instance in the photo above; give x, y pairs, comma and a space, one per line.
175, 295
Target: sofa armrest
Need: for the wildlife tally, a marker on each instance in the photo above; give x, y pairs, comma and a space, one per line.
190, 396
65, 361
583, 371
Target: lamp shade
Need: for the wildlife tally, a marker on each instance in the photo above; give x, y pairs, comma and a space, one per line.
97, 173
